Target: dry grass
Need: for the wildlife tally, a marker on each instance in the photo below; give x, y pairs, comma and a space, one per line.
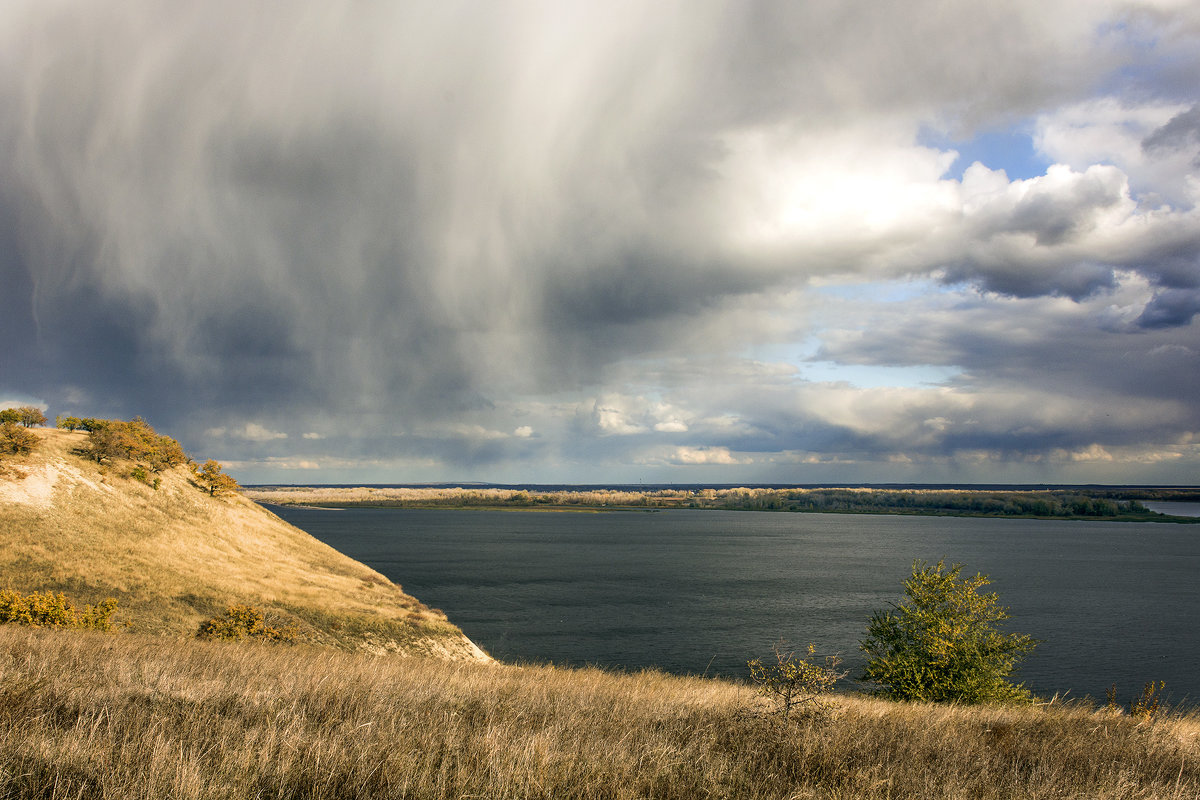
175, 556
92, 715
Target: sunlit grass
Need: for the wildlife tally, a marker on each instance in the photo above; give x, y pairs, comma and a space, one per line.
174, 556
94, 715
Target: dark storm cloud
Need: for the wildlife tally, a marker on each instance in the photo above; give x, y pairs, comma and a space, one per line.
1170, 309
1182, 131
498, 234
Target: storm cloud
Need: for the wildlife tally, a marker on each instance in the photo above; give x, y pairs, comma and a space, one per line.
547, 241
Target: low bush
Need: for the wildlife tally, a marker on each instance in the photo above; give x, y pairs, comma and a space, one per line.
16, 440
243, 622
214, 481
139, 473
54, 610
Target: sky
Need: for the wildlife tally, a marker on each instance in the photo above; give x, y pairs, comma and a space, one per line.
754, 241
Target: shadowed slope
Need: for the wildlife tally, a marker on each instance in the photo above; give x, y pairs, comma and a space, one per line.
174, 556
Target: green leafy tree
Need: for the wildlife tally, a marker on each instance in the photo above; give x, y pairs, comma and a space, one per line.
135, 440
112, 440
9, 415
943, 644
31, 416
213, 480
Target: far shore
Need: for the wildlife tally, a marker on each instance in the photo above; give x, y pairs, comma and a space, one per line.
1086, 503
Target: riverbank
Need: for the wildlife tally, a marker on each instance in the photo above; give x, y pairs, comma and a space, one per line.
1083, 503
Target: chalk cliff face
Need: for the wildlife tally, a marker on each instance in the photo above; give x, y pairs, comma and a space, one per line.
174, 555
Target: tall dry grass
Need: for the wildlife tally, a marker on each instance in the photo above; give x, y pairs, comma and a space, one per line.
175, 556
87, 715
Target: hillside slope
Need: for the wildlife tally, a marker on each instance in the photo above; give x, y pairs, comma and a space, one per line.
174, 556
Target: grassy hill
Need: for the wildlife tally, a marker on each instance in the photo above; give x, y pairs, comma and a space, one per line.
174, 556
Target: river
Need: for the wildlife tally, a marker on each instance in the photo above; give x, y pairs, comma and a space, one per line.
702, 591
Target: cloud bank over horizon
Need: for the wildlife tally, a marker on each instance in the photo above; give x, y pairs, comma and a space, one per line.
571, 242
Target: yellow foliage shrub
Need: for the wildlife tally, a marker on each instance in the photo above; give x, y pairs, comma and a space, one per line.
242, 622
54, 610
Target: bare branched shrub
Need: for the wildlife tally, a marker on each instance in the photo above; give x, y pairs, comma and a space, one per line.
1147, 704
797, 683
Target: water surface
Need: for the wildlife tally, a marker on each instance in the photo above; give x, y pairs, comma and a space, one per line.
1175, 508
702, 591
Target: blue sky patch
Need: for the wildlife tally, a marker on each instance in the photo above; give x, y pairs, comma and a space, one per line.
1011, 150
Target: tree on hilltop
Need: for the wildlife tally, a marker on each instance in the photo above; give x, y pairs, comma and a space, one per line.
31, 416
27, 416
135, 440
214, 481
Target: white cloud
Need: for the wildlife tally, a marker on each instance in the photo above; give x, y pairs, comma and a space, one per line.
1110, 130
14, 400
274, 463
254, 432
613, 416
704, 455
250, 432
470, 432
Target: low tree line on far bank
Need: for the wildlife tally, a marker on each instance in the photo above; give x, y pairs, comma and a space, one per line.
1048, 504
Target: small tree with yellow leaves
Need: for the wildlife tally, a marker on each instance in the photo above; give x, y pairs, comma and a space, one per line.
214, 481
943, 644
796, 683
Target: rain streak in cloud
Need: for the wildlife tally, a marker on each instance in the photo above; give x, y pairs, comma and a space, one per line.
577, 242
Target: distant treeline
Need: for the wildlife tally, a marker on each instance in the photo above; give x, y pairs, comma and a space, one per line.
1165, 494
1049, 504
